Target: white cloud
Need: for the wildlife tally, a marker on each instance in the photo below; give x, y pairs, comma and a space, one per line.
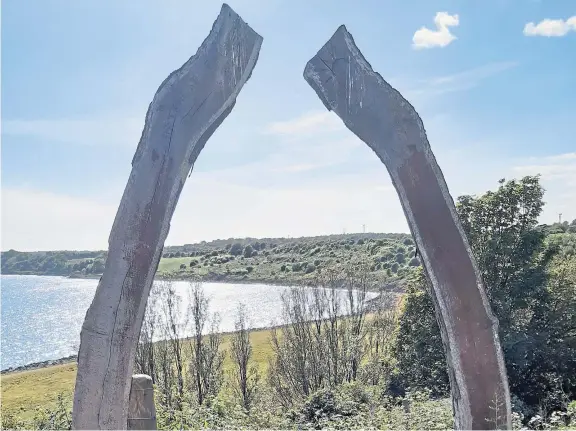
210, 208
310, 123
39, 220
106, 129
551, 27
441, 37
559, 180
556, 167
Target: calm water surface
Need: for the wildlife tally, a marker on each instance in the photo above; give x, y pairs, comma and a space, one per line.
42, 316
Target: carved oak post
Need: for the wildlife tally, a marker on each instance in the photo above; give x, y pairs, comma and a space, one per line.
387, 123
187, 108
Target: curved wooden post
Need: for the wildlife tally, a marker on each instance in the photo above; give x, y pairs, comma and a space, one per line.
387, 123
187, 108
141, 408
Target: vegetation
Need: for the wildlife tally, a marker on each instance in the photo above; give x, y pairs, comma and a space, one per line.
271, 260
336, 363
530, 276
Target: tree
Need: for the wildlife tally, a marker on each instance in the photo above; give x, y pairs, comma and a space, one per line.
248, 251
236, 249
245, 374
510, 249
206, 358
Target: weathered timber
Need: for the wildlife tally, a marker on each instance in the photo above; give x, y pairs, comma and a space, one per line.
387, 123
187, 108
141, 408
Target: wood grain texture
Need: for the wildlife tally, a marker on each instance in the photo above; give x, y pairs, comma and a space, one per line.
387, 123
141, 408
187, 108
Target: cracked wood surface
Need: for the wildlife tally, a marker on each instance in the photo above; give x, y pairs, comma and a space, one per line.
387, 123
187, 108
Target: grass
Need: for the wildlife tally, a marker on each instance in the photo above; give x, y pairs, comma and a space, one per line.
24, 392
172, 265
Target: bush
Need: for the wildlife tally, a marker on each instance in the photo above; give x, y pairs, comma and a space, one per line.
283, 268
236, 249
248, 251
309, 269
249, 269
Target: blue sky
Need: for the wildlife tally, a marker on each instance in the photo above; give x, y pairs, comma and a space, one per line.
495, 92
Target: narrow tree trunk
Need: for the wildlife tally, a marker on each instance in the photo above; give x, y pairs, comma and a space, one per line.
387, 123
187, 108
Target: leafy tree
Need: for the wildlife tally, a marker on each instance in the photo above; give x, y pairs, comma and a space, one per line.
509, 247
245, 374
248, 251
236, 249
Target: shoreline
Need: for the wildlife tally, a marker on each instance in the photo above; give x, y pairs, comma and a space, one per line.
393, 286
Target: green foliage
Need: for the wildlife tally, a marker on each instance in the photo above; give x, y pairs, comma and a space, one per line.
56, 418
248, 251
309, 269
531, 292
236, 249
418, 347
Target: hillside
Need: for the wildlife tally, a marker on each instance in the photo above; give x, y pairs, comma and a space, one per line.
272, 260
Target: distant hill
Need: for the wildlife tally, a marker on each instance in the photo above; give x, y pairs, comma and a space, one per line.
391, 257
273, 260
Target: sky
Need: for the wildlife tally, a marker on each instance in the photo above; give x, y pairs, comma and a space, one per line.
494, 82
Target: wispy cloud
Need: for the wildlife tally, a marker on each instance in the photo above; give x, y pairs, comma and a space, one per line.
310, 123
551, 27
441, 37
559, 180
319, 207
460, 81
556, 167
106, 129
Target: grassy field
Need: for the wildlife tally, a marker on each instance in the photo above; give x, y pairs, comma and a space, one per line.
23, 392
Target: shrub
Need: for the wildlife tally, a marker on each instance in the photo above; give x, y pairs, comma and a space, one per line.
248, 251
236, 249
309, 269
